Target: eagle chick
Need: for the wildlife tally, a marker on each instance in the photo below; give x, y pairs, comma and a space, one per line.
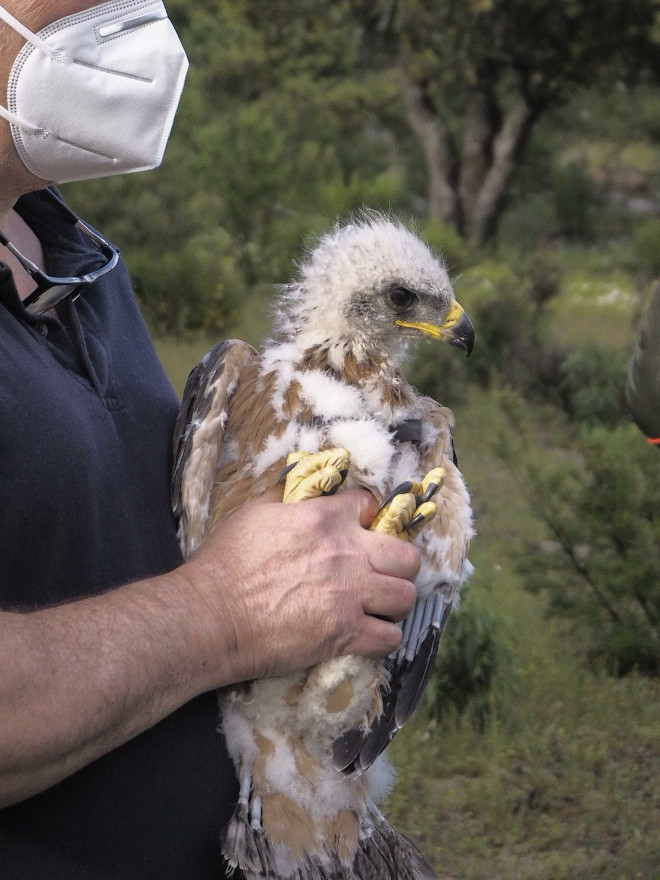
308, 747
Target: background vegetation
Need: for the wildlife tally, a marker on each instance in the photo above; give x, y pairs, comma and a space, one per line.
523, 141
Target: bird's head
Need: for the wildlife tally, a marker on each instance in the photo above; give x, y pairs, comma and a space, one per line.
371, 287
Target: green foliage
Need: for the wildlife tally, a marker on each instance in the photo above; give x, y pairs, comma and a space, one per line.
204, 273
600, 566
294, 119
439, 372
445, 240
494, 296
545, 274
472, 654
480, 75
563, 43
573, 193
507, 307
647, 245
277, 136
592, 381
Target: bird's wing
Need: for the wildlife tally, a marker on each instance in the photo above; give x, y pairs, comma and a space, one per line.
409, 668
199, 434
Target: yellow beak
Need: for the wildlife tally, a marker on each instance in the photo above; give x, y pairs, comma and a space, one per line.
456, 329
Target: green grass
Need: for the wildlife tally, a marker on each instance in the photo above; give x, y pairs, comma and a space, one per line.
595, 307
563, 782
180, 356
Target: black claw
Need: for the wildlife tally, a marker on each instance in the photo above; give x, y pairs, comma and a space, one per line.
343, 474
401, 489
287, 470
416, 520
431, 489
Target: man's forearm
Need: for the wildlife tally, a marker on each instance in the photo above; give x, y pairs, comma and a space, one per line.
80, 679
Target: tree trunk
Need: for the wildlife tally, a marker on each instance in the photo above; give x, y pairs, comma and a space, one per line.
436, 145
481, 119
481, 223
490, 154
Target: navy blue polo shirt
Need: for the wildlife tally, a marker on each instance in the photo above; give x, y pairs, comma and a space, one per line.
86, 418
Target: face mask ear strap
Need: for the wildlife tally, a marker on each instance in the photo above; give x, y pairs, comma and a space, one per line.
27, 34
21, 123
38, 43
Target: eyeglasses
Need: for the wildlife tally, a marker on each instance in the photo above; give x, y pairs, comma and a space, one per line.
50, 290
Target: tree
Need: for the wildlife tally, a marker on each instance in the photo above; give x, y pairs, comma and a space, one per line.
476, 75
599, 565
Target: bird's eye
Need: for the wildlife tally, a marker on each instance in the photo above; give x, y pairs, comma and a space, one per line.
401, 297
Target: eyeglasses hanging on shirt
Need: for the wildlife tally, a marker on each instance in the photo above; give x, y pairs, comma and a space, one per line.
52, 290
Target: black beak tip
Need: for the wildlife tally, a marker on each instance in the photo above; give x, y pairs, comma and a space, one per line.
464, 335
466, 342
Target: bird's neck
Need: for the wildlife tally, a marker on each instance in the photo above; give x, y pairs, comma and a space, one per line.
369, 371
355, 367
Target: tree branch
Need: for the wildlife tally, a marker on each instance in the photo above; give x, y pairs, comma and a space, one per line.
480, 125
579, 567
436, 145
507, 146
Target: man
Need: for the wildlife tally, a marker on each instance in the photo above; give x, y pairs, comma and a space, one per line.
111, 763
643, 382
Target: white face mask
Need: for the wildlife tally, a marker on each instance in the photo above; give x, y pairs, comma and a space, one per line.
95, 93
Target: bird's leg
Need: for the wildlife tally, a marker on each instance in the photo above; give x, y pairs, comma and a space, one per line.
244, 792
396, 513
408, 508
308, 475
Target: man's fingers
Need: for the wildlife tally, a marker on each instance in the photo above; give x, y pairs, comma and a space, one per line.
393, 599
392, 556
378, 639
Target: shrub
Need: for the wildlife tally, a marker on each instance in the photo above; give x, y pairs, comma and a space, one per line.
591, 384
445, 240
545, 276
503, 316
600, 564
472, 653
573, 194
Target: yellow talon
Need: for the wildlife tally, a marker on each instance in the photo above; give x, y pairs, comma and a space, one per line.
409, 509
310, 474
396, 516
421, 518
432, 482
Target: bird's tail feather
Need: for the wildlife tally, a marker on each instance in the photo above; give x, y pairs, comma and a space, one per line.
249, 849
383, 854
387, 854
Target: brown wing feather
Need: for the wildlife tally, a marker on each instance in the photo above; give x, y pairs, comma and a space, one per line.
199, 436
251, 419
231, 397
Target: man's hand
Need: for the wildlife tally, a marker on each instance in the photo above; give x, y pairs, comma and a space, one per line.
288, 586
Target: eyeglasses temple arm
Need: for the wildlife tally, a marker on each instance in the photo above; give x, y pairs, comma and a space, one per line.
27, 264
